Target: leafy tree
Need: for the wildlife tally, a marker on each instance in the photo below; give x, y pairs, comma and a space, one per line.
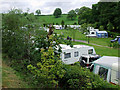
82, 78
57, 13
105, 12
49, 66
57, 23
84, 15
13, 36
101, 28
62, 23
83, 28
77, 10
65, 26
75, 23
31, 18
49, 70
38, 12
12, 19
110, 26
71, 15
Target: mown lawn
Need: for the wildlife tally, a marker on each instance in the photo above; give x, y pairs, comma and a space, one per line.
80, 36
51, 19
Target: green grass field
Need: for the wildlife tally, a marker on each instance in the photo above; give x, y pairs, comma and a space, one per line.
52, 19
80, 36
103, 51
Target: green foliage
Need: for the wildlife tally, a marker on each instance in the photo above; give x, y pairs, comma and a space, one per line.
106, 13
14, 17
84, 15
116, 45
101, 28
102, 14
50, 69
110, 26
65, 26
71, 15
14, 39
83, 28
47, 70
38, 12
57, 13
75, 23
62, 23
104, 51
82, 78
77, 10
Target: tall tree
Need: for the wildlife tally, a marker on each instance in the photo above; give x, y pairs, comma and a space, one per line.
84, 15
57, 13
77, 10
38, 12
71, 15
62, 23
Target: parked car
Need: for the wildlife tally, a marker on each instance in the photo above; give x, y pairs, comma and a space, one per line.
108, 68
87, 59
117, 39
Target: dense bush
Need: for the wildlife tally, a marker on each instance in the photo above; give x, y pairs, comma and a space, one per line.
82, 78
49, 70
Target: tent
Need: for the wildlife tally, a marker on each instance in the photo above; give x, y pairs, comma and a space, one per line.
108, 68
102, 34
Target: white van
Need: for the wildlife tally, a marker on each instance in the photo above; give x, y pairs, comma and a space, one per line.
108, 67
87, 59
71, 55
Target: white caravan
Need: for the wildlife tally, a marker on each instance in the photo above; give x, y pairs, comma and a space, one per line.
108, 68
71, 55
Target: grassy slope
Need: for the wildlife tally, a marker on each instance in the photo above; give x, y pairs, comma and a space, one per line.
51, 19
80, 36
10, 79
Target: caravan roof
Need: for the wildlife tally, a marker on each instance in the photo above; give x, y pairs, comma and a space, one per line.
108, 61
65, 46
74, 46
80, 46
101, 32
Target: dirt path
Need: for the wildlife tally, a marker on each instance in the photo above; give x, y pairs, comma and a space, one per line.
91, 43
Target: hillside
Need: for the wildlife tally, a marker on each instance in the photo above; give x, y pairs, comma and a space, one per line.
51, 19
10, 78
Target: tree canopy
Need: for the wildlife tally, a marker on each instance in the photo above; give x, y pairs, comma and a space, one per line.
38, 12
105, 14
71, 15
57, 13
84, 15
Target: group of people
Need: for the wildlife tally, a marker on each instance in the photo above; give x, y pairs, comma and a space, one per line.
69, 38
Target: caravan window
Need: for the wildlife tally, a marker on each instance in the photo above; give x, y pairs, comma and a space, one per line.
91, 59
76, 54
67, 55
84, 58
92, 33
90, 51
103, 72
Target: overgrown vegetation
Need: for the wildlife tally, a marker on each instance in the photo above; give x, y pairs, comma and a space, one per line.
30, 51
81, 78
